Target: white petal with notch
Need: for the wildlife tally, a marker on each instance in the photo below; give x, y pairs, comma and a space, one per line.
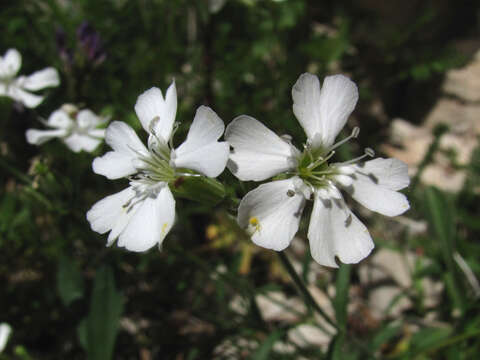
258, 153
335, 231
201, 151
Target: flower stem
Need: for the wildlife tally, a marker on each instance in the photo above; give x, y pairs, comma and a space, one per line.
303, 289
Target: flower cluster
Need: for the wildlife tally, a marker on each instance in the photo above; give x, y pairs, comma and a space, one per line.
141, 215
78, 129
18, 88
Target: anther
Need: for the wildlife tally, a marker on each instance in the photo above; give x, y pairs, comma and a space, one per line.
290, 193
153, 124
369, 152
127, 204
355, 132
176, 125
353, 135
286, 138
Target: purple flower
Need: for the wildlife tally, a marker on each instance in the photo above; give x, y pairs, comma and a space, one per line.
91, 43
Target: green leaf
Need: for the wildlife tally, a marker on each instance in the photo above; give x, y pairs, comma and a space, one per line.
97, 333
340, 303
341, 295
384, 336
428, 339
70, 285
441, 216
264, 350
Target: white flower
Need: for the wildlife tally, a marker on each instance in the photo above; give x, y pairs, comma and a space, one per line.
78, 129
271, 213
5, 331
141, 215
18, 88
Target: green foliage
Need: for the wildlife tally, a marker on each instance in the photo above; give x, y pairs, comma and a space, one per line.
70, 285
98, 331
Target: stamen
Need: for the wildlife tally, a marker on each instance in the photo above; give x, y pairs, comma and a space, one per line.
306, 147
312, 188
127, 204
368, 152
139, 153
159, 154
353, 135
320, 161
176, 125
287, 138
153, 123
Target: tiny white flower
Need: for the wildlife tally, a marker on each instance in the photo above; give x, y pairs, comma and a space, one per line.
18, 88
78, 129
271, 213
141, 215
5, 331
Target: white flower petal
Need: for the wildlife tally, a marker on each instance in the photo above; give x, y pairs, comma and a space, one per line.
10, 63
306, 103
151, 222
323, 113
26, 98
114, 165
111, 214
97, 133
378, 198
338, 98
41, 79
389, 173
60, 119
258, 153
201, 151
5, 331
127, 147
335, 231
209, 160
151, 106
78, 142
38, 137
88, 119
270, 215
122, 138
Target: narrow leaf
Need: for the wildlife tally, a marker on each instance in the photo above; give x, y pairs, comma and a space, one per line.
70, 285
100, 328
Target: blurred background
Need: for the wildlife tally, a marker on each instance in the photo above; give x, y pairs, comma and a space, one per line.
210, 293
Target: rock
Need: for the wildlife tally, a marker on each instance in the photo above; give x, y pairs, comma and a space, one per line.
464, 83
275, 306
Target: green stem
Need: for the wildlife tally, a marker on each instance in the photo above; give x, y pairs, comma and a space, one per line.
303, 289
438, 132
